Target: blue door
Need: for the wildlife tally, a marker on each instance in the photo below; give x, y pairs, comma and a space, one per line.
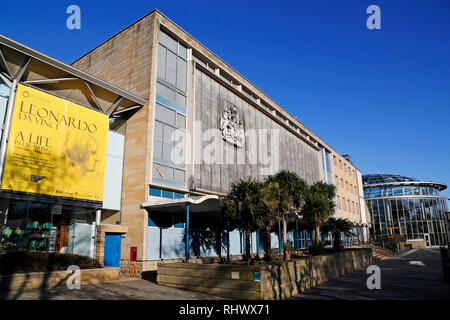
112, 250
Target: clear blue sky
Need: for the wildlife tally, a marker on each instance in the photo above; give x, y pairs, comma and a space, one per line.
383, 96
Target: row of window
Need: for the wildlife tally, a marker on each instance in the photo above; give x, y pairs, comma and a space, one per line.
170, 113
406, 209
343, 166
416, 217
165, 194
345, 185
400, 191
347, 205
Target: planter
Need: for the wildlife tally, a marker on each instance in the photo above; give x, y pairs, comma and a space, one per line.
278, 280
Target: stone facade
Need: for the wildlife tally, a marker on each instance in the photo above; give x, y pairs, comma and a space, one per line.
348, 182
129, 60
126, 61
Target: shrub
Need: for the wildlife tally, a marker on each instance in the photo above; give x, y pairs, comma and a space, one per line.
316, 249
275, 252
288, 247
25, 262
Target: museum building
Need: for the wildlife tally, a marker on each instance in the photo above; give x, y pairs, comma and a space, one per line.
61, 155
403, 205
203, 127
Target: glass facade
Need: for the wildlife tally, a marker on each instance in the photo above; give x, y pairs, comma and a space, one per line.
170, 113
326, 165
46, 227
417, 209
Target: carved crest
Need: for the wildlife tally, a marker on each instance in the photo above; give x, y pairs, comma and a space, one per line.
232, 126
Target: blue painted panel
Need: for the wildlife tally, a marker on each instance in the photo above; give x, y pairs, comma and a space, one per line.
170, 103
274, 243
178, 195
290, 236
153, 237
151, 223
202, 243
261, 242
235, 242
112, 250
155, 192
173, 245
167, 194
253, 242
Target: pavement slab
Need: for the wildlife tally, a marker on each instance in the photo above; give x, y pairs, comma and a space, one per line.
411, 275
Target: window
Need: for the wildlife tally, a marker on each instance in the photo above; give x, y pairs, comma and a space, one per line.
376, 192
407, 190
172, 70
344, 207
155, 192
166, 194
398, 191
170, 111
169, 135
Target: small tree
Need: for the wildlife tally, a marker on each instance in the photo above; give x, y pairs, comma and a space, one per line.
319, 205
337, 226
273, 202
292, 187
241, 205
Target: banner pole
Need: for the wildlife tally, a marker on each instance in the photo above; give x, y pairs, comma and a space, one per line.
7, 127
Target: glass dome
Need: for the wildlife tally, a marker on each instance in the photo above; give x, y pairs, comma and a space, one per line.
385, 178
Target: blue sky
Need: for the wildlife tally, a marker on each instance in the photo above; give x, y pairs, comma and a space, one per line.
383, 96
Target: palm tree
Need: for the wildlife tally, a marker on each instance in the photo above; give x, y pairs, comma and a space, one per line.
338, 226
319, 205
294, 187
241, 205
273, 202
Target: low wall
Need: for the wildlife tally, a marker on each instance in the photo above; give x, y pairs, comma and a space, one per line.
274, 281
134, 269
417, 244
49, 280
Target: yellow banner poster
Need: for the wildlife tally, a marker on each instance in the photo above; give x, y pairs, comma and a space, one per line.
56, 147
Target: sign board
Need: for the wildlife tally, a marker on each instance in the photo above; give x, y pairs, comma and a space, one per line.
56, 147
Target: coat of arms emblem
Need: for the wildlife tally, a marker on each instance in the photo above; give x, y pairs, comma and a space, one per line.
232, 126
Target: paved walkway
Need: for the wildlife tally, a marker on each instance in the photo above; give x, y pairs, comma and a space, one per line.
125, 289
416, 274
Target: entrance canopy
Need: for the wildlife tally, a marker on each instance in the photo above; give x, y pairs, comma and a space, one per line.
202, 204
36, 69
